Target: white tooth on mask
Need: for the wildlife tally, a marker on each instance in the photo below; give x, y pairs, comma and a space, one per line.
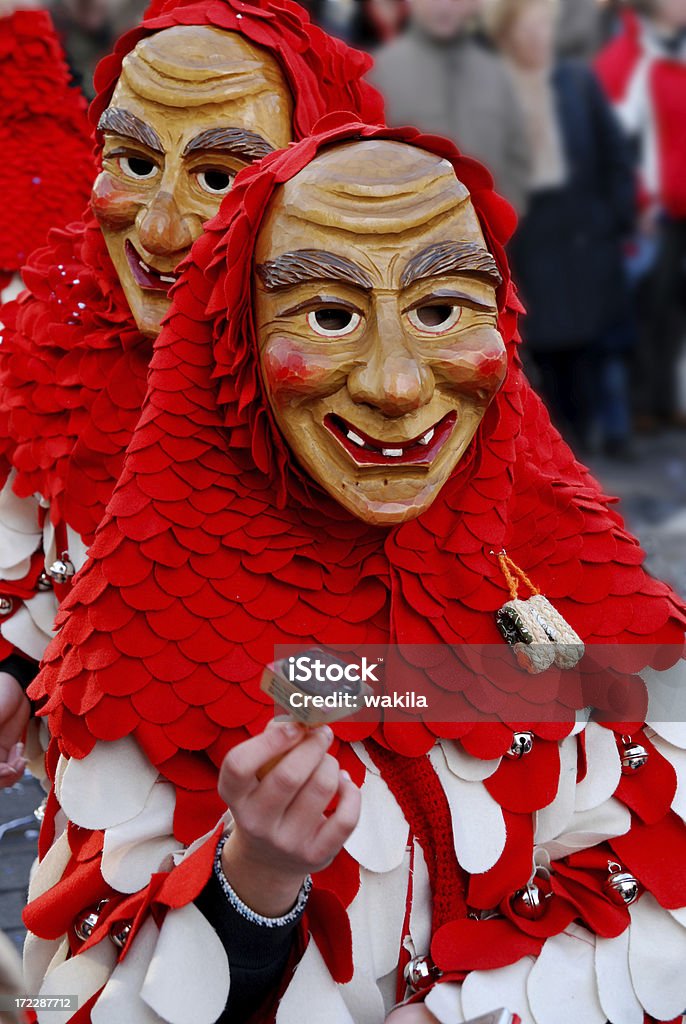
352, 436
428, 437
167, 279
392, 453
145, 266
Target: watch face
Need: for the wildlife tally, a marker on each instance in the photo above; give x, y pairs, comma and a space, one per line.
193, 105
375, 301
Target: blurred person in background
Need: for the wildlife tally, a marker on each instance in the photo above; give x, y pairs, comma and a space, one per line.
88, 30
438, 77
337, 17
611, 19
579, 28
378, 21
566, 253
644, 72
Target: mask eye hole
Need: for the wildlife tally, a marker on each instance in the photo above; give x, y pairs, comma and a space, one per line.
435, 317
333, 321
215, 182
138, 167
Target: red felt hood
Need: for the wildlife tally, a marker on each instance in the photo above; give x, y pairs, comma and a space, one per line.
325, 74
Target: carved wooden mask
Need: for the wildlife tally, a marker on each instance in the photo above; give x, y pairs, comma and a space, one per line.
193, 105
377, 324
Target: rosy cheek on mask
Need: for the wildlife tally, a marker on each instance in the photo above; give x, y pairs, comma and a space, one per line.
114, 205
479, 370
290, 370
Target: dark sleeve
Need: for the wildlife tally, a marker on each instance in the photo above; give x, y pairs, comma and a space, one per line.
258, 956
23, 670
615, 157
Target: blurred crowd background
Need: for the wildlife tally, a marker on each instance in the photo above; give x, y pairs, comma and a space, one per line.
578, 108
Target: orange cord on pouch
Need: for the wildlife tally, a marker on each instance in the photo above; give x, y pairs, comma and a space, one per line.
506, 564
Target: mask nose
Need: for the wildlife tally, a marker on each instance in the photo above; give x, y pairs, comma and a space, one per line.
162, 228
394, 380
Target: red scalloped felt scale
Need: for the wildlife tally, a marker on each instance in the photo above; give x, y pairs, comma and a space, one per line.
138, 639
50, 915
558, 916
81, 696
650, 791
583, 892
331, 929
527, 783
469, 945
233, 708
154, 742
158, 703
656, 853
194, 731
170, 666
511, 871
112, 718
84, 843
190, 771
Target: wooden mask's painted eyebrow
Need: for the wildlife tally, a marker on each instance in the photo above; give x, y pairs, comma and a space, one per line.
451, 258
123, 122
303, 265
238, 142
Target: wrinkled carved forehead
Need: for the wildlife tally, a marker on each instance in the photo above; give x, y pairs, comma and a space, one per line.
378, 187
190, 65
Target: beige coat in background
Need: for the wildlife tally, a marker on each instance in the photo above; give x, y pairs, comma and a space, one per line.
458, 89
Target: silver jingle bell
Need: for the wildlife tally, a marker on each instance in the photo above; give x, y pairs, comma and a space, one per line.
621, 886
420, 973
6, 605
86, 922
44, 582
487, 915
522, 744
119, 933
529, 903
634, 757
61, 570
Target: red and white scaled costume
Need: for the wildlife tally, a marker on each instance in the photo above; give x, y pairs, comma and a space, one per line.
73, 364
645, 77
47, 166
214, 548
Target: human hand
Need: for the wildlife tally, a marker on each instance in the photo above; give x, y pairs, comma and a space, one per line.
15, 711
281, 833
